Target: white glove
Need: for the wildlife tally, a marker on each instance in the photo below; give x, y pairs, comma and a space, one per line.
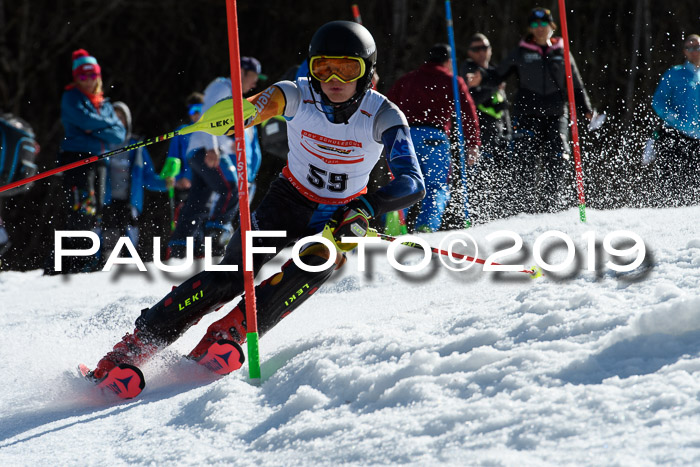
597, 121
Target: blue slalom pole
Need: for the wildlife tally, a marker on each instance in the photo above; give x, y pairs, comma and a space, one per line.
458, 111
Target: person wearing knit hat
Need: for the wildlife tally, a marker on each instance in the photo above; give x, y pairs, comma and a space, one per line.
91, 127
85, 64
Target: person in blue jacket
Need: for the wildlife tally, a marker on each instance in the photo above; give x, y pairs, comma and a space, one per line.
91, 127
178, 147
213, 199
127, 175
677, 101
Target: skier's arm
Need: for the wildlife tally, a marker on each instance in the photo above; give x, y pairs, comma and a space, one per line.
281, 98
408, 186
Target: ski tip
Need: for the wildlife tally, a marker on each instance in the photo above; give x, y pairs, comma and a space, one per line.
84, 370
124, 380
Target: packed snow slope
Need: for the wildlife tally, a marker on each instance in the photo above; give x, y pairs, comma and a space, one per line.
581, 367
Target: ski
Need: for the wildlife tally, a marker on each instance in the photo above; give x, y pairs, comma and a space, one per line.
222, 357
124, 380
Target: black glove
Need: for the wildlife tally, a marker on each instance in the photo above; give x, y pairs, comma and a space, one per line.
351, 220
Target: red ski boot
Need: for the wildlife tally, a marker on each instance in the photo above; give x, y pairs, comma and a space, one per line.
220, 350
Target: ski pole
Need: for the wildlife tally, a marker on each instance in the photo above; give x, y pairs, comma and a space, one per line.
534, 272
217, 121
572, 113
170, 170
458, 113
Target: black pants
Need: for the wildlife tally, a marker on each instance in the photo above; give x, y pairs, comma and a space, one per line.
541, 172
283, 208
677, 169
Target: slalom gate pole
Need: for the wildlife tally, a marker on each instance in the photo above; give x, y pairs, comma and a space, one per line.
356, 13
244, 205
572, 113
532, 272
216, 121
458, 112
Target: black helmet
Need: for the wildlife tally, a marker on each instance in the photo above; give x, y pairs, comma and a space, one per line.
345, 38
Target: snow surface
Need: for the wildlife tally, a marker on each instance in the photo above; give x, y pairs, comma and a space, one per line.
380, 367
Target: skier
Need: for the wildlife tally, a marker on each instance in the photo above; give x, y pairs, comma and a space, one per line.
337, 129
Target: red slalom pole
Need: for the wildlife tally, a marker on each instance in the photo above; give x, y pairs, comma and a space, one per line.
356, 13
243, 203
572, 113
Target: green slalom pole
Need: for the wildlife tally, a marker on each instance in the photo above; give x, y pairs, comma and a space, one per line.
217, 121
171, 169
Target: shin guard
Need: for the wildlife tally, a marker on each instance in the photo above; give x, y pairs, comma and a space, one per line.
276, 297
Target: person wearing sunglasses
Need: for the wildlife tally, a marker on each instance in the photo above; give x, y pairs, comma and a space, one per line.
337, 130
543, 180
212, 201
91, 127
676, 101
426, 96
493, 111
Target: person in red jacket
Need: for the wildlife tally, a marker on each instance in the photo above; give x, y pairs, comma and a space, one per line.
426, 98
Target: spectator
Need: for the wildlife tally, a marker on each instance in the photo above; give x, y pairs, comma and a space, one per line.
212, 162
19, 153
128, 174
91, 127
491, 104
488, 182
425, 95
677, 102
178, 146
540, 115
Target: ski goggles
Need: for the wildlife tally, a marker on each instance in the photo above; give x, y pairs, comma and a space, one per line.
536, 24
194, 109
344, 69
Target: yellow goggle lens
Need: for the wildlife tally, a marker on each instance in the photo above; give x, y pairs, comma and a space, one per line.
345, 69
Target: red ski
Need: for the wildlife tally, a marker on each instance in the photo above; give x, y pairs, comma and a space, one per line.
222, 357
124, 380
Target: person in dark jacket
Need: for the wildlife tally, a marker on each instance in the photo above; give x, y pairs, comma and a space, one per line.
492, 108
91, 128
540, 114
425, 96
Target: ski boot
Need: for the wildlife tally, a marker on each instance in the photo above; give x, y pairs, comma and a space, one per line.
220, 349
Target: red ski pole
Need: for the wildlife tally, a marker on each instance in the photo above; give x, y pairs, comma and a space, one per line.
244, 206
572, 113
